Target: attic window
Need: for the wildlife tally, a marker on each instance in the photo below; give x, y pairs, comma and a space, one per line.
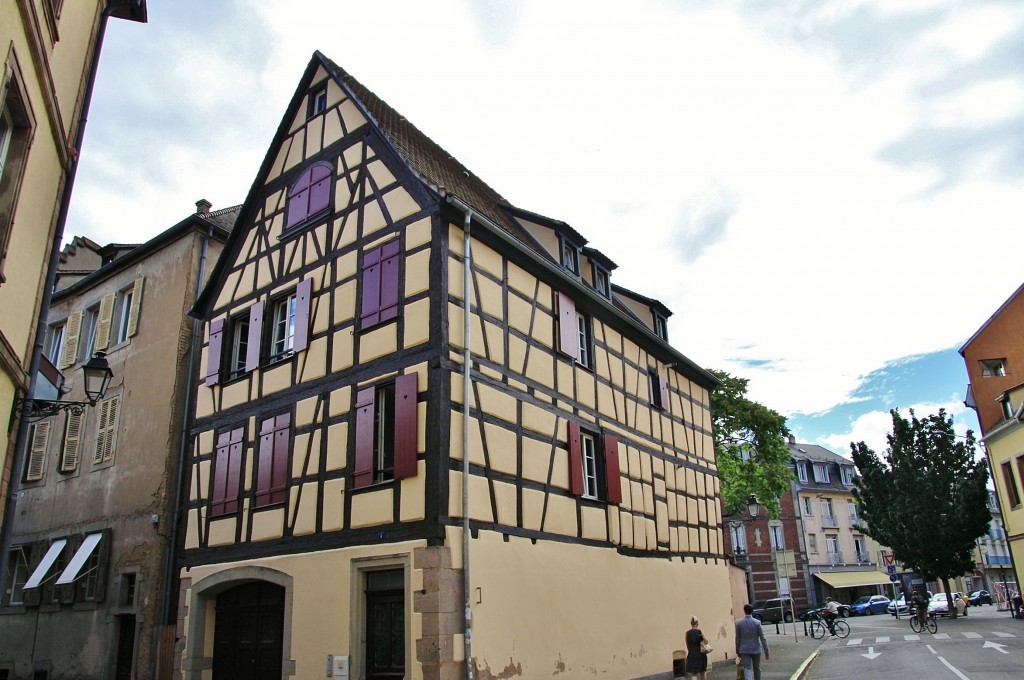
317, 101
661, 326
993, 368
601, 284
310, 196
570, 256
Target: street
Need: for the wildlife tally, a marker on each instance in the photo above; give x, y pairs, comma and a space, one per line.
987, 644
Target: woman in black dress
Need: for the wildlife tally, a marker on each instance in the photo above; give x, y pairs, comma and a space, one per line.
696, 660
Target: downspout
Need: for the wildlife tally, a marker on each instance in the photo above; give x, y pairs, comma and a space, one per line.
467, 265
170, 564
20, 439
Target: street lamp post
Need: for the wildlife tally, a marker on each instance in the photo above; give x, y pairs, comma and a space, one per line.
753, 510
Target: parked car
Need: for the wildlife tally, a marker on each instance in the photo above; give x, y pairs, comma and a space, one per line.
808, 614
844, 609
869, 604
939, 604
979, 597
774, 610
901, 603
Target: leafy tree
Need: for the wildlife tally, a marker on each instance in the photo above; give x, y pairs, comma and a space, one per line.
745, 429
928, 498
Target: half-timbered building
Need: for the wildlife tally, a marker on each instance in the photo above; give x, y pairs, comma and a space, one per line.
431, 429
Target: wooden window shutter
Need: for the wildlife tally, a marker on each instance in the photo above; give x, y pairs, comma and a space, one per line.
389, 281
72, 442
234, 471
663, 387
303, 298
575, 459
613, 475
227, 472
406, 425
72, 331
133, 312
320, 189
365, 413
369, 311
213, 352
266, 462
37, 453
252, 349
107, 430
298, 199
104, 323
568, 330
279, 472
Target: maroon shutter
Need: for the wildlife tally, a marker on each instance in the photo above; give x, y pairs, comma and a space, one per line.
213, 352
389, 281
406, 426
663, 387
370, 308
575, 460
266, 462
220, 474
611, 469
279, 473
234, 472
252, 349
320, 191
303, 297
363, 466
568, 330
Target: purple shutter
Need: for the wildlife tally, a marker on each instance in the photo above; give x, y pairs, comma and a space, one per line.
363, 465
279, 472
575, 460
370, 307
213, 352
252, 349
663, 388
266, 462
406, 426
234, 472
298, 200
303, 296
568, 330
389, 281
320, 190
220, 474
613, 476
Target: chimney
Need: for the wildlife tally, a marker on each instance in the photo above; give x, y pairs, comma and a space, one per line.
792, 440
203, 207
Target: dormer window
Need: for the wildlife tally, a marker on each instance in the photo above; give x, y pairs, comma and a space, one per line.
601, 282
661, 326
801, 471
317, 101
309, 196
1006, 405
570, 256
821, 473
847, 475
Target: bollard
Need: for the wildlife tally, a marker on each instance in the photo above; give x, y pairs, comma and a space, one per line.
805, 627
776, 627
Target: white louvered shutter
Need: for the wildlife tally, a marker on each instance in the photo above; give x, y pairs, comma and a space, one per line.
72, 442
37, 454
69, 355
103, 325
133, 313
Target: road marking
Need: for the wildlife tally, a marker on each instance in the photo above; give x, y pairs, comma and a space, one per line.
995, 645
881, 639
952, 668
973, 636
910, 638
942, 636
930, 649
854, 641
872, 654
1003, 635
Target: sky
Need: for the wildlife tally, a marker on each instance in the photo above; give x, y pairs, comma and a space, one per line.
821, 191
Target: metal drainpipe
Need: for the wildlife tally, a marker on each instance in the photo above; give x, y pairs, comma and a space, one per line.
467, 264
170, 567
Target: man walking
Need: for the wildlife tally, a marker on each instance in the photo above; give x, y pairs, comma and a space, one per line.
750, 641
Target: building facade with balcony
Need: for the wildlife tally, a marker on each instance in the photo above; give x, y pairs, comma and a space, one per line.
994, 569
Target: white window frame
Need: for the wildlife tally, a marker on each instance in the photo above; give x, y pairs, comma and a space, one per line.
239, 346
846, 474
821, 475
852, 512
583, 339
808, 506
588, 451
124, 312
6, 135
17, 575
282, 335
55, 343
738, 536
778, 536
832, 545
801, 470
827, 510
90, 323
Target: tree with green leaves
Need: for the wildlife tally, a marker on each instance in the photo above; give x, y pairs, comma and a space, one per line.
750, 447
927, 499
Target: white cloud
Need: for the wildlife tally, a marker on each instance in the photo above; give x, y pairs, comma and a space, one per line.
873, 427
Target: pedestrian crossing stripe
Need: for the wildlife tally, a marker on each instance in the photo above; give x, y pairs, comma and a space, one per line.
939, 636
973, 636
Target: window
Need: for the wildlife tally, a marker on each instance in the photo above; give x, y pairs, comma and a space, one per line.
851, 509
801, 471
227, 472
738, 537
846, 473
127, 311
832, 547
39, 438
282, 327
778, 539
658, 390
826, 509
238, 359
1010, 484
72, 442
55, 342
387, 431
601, 281
379, 298
88, 332
570, 256
6, 133
1006, 406
661, 326
16, 123
272, 470
310, 196
17, 574
858, 546
812, 542
746, 452
106, 432
583, 357
593, 468
317, 101
808, 508
821, 473
993, 368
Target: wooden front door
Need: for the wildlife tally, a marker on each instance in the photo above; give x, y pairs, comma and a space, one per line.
385, 625
247, 642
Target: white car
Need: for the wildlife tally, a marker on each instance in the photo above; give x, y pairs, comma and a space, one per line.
939, 606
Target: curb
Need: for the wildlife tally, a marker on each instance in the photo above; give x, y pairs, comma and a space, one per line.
806, 665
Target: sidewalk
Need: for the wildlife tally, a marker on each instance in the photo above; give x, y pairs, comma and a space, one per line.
788, 655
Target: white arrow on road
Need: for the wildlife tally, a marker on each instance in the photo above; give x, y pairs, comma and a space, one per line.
995, 645
872, 654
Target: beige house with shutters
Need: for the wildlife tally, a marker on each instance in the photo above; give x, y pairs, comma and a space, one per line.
92, 539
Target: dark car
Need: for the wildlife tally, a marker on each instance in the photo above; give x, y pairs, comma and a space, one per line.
774, 610
869, 604
979, 597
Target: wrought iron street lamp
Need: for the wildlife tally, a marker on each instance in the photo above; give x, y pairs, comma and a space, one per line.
753, 510
96, 377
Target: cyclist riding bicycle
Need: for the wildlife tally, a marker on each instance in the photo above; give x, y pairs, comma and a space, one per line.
830, 614
921, 605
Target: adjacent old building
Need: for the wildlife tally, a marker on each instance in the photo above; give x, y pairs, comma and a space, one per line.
428, 418
92, 541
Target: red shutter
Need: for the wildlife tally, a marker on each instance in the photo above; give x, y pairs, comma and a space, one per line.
389, 281
363, 466
320, 191
234, 472
213, 352
663, 386
370, 308
568, 330
613, 492
220, 474
252, 349
266, 462
406, 426
279, 474
303, 296
575, 460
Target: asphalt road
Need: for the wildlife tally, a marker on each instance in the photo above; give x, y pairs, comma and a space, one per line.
985, 645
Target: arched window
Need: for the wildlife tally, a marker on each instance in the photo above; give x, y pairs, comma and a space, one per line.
310, 195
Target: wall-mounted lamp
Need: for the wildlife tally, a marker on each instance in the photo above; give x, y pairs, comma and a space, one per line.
96, 376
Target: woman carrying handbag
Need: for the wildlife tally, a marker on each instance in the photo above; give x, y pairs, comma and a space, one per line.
697, 649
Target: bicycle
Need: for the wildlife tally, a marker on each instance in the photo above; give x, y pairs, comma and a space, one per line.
930, 624
840, 628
